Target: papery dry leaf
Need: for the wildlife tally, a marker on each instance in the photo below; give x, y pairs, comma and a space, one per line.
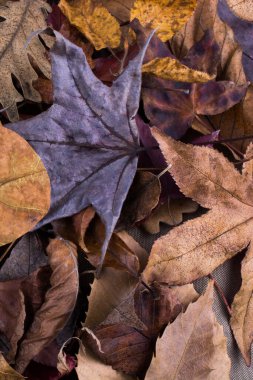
24, 187
96, 135
171, 69
94, 21
26, 257
166, 17
247, 168
242, 8
242, 308
45, 88
192, 347
197, 247
59, 302
142, 198
7, 372
21, 19
170, 213
90, 367
129, 349
120, 9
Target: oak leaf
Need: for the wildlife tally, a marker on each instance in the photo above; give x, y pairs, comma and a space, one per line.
94, 21
193, 346
166, 17
92, 126
197, 247
172, 69
60, 300
24, 187
20, 20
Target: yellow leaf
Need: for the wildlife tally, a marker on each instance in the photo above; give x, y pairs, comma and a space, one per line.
6, 372
171, 69
96, 23
24, 187
167, 16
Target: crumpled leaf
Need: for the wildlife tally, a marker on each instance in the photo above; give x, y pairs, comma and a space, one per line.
171, 69
94, 21
92, 127
89, 367
7, 372
59, 302
170, 213
24, 187
129, 349
21, 19
197, 247
167, 17
242, 309
193, 346
26, 257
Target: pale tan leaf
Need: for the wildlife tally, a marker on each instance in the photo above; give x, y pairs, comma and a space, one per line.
171, 69
21, 19
170, 213
192, 347
197, 247
8, 373
59, 302
242, 308
242, 8
247, 168
24, 186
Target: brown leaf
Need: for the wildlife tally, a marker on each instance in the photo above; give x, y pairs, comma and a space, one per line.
24, 187
8, 373
242, 309
197, 247
142, 198
120, 9
192, 347
170, 213
242, 9
45, 88
247, 168
59, 302
90, 367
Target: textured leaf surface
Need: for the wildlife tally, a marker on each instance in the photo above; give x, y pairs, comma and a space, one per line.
167, 17
59, 302
7, 372
20, 20
24, 187
92, 127
194, 346
242, 9
94, 21
171, 69
197, 247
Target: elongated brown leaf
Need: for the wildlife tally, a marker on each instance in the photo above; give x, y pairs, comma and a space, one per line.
24, 187
21, 19
192, 347
197, 247
59, 302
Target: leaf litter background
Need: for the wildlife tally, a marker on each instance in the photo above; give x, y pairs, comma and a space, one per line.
194, 87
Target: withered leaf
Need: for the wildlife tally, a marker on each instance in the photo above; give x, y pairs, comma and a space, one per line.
92, 127
7, 372
20, 20
170, 213
242, 9
24, 187
197, 247
193, 346
59, 302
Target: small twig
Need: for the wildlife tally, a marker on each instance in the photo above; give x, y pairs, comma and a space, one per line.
164, 171
221, 294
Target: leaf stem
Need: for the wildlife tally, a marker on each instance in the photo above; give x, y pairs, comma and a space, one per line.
221, 294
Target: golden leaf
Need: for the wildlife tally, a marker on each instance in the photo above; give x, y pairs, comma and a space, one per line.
24, 186
95, 22
6, 372
167, 16
21, 19
171, 69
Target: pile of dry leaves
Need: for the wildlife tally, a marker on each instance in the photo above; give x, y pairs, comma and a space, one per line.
121, 116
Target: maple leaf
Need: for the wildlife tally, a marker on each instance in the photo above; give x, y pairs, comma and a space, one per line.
197, 247
24, 187
167, 17
94, 21
193, 346
20, 20
92, 126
